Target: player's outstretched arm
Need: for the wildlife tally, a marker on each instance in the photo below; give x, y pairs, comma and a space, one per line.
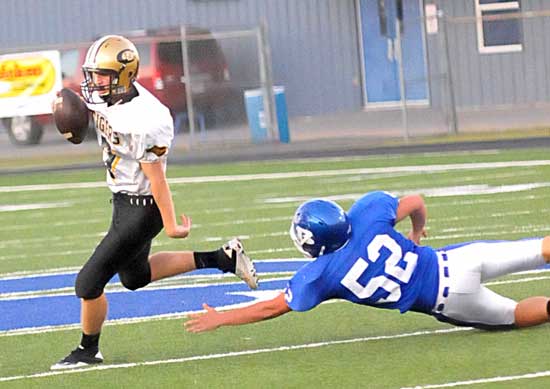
413, 206
163, 197
212, 319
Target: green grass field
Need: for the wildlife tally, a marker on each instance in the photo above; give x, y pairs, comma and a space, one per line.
470, 196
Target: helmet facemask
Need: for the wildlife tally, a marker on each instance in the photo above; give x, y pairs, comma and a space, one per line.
98, 93
303, 240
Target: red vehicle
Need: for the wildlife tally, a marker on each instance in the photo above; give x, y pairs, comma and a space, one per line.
160, 71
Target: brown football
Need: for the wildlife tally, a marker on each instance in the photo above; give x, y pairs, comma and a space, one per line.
71, 116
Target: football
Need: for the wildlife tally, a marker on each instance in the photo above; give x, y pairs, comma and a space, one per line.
71, 116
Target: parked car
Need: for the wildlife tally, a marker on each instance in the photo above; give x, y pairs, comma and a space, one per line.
160, 71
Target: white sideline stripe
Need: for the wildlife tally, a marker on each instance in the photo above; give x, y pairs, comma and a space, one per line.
28, 207
234, 354
209, 280
74, 270
42, 255
133, 320
301, 174
158, 285
483, 380
39, 273
210, 277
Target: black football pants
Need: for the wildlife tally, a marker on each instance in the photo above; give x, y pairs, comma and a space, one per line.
125, 249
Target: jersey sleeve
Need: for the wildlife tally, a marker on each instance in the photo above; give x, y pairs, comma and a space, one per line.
157, 143
376, 206
151, 145
306, 288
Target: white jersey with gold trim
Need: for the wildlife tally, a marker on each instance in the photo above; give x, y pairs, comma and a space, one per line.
131, 133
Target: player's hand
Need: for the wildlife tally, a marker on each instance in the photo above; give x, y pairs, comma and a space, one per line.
182, 230
415, 236
203, 321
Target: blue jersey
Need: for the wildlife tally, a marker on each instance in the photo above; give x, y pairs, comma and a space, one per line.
378, 266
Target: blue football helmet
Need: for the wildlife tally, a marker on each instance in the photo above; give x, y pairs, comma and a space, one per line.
319, 227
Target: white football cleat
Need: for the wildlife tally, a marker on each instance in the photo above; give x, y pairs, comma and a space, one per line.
244, 268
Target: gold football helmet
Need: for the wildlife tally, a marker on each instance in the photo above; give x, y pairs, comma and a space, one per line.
113, 56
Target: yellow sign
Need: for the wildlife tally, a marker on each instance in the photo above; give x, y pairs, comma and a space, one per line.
30, 76
29, 82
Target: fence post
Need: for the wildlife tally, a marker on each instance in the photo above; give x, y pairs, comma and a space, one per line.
188, 90
453, 120
402, 89
266, 79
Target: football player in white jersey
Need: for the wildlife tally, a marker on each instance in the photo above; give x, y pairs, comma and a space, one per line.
135, 131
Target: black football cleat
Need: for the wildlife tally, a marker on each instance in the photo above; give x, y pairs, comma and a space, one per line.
79, 357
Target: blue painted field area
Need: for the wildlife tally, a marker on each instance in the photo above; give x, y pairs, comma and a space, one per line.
20, 312
66, 280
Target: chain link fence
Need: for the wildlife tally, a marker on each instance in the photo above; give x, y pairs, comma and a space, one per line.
481, 72
222, 66
201, 75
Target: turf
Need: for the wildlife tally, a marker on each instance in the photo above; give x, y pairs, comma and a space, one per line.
259, 210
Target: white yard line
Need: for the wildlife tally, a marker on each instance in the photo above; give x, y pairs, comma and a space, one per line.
288, 348
488, 200
444, 154
529, 229
446, 180
483, 380
39, 273
195, 226
519, 280
11, 228
233, 354
51, 242
49, 254
289, 175
31, 207
461, 190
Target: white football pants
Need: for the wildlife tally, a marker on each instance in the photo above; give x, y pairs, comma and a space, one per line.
463, 300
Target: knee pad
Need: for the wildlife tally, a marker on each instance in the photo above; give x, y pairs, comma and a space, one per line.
87, 289
134, 281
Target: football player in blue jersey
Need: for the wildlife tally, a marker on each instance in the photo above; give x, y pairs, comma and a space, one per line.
360, 257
